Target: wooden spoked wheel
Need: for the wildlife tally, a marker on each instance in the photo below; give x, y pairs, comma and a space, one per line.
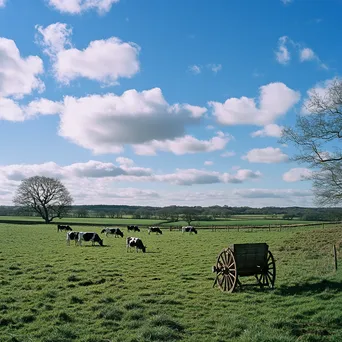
226, 271
268, 275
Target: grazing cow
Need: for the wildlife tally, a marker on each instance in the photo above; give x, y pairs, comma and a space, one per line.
72, 236
189, 229
133, 228
135, 242
113, 231
61, 228
154, 230
93, 237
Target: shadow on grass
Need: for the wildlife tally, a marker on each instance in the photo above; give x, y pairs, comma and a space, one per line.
95, 246
309, 288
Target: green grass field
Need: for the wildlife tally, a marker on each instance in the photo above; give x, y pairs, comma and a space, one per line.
96, 221
114, 221
51, 292
250, 222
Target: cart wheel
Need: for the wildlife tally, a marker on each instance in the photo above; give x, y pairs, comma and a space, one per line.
226, 271
267, 278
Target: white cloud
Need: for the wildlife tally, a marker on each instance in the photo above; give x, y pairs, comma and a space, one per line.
306, 54
54, 38
195, 69
208, 162
193, 176
126, 162
271, 130
126, 171
275, 100
10, 110
210, 127
228, 154
104, 123
94, 182
285, 2
13, 111
183, 145
215, 68
43, 107
2, 3
80, 6
90, 169
283, 55
266, 155
297, 174
104, 60
272, 193
18, 76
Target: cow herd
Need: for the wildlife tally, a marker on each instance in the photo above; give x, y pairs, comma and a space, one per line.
131, 242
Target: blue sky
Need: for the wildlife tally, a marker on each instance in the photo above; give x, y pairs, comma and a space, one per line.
151, 102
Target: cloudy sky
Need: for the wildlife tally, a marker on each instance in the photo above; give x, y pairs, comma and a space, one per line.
152, 102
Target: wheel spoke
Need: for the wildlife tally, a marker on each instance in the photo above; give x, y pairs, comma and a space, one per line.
226, 258
232, 264
269, 279
226, 282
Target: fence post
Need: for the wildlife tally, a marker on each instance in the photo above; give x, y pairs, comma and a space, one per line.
335, 257
269, 227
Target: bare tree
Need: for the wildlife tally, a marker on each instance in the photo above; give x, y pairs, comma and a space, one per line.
190, 214
318, 135
48, 197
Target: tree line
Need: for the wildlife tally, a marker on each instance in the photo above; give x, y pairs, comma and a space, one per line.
189, 214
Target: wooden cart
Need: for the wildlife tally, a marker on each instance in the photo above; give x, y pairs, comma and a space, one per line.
244, 260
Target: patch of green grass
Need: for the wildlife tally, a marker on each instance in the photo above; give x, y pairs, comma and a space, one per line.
95, 220
54, 292
239, 222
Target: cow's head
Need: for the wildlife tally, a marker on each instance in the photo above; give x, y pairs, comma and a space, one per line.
195, 231
100, 242
103, 230
137, 229
143, 249
120, 233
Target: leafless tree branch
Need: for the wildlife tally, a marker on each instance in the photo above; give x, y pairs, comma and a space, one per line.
48, 197
317, 137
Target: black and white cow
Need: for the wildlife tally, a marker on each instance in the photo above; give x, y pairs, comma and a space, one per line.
154, 230
72, 236
189, 229
135, 242
113, 231
93, 237
133, 228
61, 228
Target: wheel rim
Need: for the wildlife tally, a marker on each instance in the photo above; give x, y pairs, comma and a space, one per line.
226, 271
267, 278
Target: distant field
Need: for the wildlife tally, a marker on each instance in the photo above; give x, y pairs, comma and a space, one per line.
126, 221
256, 222
100, 221
252, 217
51, 292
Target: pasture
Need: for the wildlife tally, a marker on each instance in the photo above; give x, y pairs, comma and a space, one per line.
51, 292
257, 220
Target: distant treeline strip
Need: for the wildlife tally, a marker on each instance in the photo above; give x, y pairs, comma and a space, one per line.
211, 227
